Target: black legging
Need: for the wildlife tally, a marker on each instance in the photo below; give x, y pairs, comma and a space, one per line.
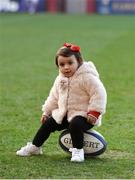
76, 127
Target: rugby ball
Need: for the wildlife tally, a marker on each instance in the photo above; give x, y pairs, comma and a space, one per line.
94, 143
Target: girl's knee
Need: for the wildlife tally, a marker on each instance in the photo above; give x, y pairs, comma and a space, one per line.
75, 123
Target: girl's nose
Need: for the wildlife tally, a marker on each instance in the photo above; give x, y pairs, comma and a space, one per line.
66, 66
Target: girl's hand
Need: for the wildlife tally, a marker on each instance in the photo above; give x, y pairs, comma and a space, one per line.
43, 118
91, 119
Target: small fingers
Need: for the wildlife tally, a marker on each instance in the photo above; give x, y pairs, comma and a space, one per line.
43, 119
91, 120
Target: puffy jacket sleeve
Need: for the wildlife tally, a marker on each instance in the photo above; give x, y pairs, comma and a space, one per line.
97, 94
51, 102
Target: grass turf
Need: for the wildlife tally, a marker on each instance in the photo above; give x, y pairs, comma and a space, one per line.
28, 44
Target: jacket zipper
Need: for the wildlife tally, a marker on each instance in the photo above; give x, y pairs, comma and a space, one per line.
68, 96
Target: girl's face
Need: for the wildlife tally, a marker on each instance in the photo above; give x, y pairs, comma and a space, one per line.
68, 65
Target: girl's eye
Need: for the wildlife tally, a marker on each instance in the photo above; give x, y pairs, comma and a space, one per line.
61, 64
70, 62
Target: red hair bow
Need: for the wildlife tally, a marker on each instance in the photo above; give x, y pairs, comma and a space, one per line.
72, 47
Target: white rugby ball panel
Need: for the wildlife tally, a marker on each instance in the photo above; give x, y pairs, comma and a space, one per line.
65, 140
94, 142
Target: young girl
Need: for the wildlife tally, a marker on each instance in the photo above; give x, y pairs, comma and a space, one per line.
76, 102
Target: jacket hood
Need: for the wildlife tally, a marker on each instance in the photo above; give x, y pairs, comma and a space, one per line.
87, 67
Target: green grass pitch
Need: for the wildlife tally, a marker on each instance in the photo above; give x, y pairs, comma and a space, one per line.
28, 44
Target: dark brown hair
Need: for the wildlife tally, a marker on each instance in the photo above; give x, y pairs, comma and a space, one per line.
67, 52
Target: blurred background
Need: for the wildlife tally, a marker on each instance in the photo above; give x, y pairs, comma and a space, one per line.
69, 6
